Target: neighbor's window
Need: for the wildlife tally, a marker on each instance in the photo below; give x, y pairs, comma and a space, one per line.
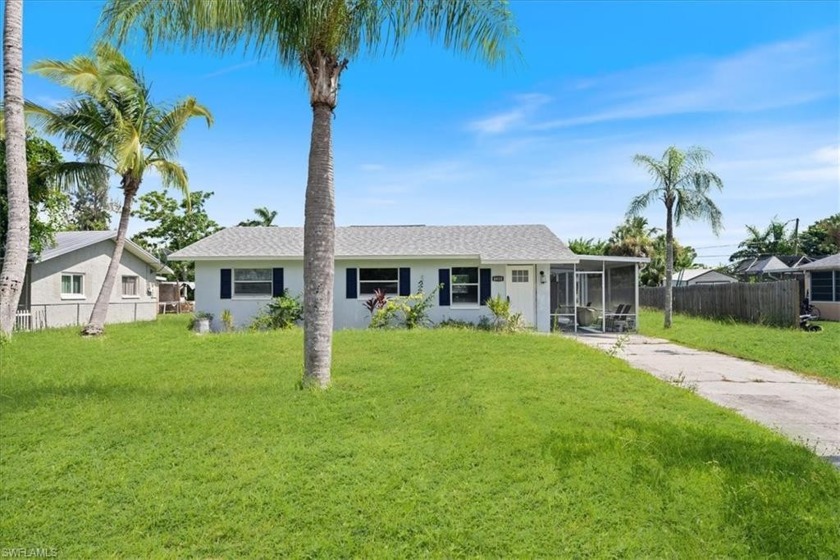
824, 286
72, 285
252, 281
465, 286
385, 279
129, 286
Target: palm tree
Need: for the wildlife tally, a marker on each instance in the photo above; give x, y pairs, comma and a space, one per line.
682, 183
16, 250
318, 37
112, 123
265, 218
774, 240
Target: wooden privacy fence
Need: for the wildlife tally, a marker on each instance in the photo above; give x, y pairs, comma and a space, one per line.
768, 303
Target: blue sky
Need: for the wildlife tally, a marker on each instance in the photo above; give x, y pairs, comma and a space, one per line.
429, 137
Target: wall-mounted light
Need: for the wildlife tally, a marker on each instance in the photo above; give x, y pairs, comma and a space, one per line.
542, 277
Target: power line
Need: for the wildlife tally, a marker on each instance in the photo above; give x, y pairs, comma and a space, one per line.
716, 246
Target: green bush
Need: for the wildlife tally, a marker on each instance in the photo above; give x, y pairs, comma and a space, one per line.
503, 320
405, 312
280, 313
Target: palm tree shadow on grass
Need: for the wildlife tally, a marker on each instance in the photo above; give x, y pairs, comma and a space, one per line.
96, 392
757, 477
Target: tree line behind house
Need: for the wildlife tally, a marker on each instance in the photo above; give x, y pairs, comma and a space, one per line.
635, 237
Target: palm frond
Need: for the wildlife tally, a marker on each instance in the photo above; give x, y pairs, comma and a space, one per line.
172, 175
166, 128
683, 184
639, 203
71, 175
657, 170
289, 29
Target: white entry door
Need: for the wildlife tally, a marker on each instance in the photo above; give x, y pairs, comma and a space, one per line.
520, 285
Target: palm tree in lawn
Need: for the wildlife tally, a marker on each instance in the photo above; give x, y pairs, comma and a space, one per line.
16, 250
112, 123
318, 37
682, 184
265, 218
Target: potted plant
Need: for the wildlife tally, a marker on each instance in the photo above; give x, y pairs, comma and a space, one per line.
201, 322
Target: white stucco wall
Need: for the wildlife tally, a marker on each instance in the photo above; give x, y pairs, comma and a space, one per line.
50, 309
829, 310
350, 313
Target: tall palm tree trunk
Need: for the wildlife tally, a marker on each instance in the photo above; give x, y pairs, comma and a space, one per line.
669, 264
96, 323
319, 251
17, 236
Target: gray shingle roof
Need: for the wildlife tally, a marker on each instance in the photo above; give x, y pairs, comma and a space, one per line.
831, 262
69, 241
521, 243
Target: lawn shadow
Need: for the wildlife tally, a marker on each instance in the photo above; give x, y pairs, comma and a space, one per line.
22, 400
766, 485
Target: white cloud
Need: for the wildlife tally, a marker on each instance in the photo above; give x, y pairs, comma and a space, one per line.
525, 105
229, 69
371, 167
771, 76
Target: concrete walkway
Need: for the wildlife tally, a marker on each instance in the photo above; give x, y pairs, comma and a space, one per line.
801, 408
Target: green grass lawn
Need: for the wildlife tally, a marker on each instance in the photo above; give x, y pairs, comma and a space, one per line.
815, 354
152, 442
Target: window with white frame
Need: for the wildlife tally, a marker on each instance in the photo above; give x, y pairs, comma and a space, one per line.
385, 279
129, 286
252, 282
72, 285
464, 286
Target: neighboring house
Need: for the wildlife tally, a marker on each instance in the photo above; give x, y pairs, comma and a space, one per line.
63, 282
239, 269
822, 283
770, 267
697, 276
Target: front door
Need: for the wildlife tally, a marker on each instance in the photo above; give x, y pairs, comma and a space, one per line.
520, 291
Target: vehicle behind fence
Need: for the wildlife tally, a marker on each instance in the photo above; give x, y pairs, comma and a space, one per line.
766, 303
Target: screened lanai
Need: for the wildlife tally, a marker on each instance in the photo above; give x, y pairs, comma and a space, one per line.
598, 294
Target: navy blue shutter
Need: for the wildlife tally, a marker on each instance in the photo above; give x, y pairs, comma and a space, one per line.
351, 283
483, 285
443, 280
277, 287
405, 281
225, 283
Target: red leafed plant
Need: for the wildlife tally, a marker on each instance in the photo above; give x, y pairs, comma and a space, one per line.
376, 301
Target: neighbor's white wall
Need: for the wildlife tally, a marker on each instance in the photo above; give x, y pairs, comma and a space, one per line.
50, 308
350, 313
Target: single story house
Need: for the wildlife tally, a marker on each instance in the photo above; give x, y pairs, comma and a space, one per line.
770, 267
697, 276
822, 284
240, 269
63, 282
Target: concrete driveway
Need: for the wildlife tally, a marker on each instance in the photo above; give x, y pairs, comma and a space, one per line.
801, 408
